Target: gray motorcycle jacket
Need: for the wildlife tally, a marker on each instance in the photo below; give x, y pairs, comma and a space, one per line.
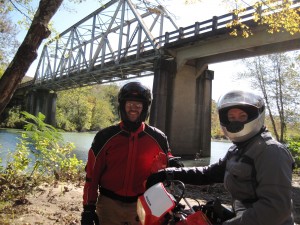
257, 174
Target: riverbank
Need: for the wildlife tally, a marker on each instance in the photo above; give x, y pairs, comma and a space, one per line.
61, 203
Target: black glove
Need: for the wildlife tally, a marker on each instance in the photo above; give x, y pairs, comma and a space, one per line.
155, 178
216, 212
175, 162
89, 216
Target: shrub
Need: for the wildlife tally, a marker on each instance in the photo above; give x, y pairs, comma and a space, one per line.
294, 147
40, 156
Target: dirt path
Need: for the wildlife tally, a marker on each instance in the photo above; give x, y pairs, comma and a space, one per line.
62, 204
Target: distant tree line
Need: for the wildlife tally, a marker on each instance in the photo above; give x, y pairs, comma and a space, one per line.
88, 108
277, 78
80, 109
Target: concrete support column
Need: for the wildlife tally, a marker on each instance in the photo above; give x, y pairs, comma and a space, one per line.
189, 131
203, 113
43, 101
182, 121
51, 112
164, 73
30, 102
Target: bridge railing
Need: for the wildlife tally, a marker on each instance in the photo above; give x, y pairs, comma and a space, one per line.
216, 23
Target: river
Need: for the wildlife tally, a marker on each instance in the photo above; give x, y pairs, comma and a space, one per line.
10, 137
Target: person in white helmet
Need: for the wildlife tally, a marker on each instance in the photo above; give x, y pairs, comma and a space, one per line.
256, 171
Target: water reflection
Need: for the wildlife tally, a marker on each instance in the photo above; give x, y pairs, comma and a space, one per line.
218, 150
8, 142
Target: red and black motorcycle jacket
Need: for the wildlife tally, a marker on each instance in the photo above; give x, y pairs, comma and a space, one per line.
119, 162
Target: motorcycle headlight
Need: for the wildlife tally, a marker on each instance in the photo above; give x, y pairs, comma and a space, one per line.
154, 204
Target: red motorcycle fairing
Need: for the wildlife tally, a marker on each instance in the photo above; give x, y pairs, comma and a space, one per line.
197, 218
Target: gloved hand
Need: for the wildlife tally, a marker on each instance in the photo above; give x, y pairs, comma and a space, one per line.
175, 162
89, 216
216, 212
155, 178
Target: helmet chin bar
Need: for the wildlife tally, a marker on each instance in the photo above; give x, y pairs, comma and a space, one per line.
248, 130
235, 126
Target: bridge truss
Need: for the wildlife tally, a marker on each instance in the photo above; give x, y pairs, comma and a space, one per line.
122, 40
115, 42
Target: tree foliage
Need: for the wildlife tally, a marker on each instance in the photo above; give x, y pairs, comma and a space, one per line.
74, 109
89, 108
8, 32
294, 147
277, 77
277, 16
14, 118
216, 131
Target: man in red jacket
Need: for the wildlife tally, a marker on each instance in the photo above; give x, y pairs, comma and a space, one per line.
120, 160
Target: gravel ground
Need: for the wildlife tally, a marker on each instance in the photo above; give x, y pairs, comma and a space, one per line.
61, 204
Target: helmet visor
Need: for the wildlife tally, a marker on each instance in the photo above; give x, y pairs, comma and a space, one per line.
251, 111
236, 98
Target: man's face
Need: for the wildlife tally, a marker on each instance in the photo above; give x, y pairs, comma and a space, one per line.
237, 115
133, 110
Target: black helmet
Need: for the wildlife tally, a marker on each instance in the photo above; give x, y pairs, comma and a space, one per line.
135, 91
250, 103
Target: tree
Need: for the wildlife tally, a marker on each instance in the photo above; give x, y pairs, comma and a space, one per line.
277, 77
278, 16
108, 93
216, 131
87, 108
102, 115
37, 32
74, 109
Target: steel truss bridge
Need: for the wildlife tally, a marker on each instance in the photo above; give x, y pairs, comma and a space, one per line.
120, 40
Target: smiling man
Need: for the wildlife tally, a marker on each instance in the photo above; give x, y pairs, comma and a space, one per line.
120, 160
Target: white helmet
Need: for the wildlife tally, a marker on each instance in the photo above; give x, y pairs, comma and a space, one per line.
250, 103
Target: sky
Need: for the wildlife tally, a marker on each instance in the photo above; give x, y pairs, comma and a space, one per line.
185, 15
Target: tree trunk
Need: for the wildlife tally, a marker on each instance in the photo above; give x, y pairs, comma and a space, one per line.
27, 51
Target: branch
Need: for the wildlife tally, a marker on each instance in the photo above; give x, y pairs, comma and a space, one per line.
14, 5
27, 52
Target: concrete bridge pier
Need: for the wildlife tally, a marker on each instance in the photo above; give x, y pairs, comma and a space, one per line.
44, 101
162, 90
182, 107
203, 113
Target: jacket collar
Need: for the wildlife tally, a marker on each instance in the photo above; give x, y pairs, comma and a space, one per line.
136, 129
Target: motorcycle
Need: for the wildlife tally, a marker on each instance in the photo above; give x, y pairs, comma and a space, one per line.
162, 205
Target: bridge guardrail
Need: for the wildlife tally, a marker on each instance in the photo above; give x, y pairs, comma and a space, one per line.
210, 25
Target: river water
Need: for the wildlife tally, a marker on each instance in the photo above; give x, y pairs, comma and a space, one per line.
10, 137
